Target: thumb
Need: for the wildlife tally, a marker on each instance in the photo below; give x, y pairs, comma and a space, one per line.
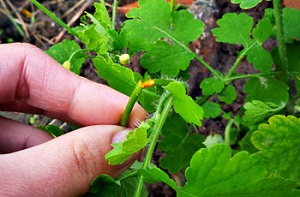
64, 166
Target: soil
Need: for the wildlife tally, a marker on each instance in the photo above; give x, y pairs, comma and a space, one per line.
41, 31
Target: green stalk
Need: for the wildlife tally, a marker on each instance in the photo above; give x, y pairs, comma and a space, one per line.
227, 131
162, 114
114, 13
55, 18
280, 41
132, 100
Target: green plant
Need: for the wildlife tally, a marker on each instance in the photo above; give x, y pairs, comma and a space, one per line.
263, 162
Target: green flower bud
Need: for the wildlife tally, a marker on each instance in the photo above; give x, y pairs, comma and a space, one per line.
124, 59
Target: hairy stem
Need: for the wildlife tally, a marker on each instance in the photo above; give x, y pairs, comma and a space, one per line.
162, 114
55, 18
280, 41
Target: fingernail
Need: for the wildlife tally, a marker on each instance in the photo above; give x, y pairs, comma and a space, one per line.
120, 136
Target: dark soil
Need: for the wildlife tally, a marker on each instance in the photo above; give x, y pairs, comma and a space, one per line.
41, 31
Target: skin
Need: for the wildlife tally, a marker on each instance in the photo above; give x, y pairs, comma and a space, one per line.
32, 163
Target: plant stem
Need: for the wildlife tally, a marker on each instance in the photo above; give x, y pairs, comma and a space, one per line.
162, 114
114, 13
133, 98
280, 41
227, 131
55, 18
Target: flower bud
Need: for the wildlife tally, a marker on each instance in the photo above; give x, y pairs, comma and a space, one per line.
67, 64
124, 59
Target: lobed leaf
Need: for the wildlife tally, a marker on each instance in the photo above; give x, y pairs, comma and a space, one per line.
246, 4
257, 111
228, 95
135, 141
211, 109
210, 86
185, 105
146, 33
279, 144
270, 90
214, 172
62, 51
291, 25
178, 144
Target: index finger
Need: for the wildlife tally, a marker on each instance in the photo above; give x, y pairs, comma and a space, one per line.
36, 83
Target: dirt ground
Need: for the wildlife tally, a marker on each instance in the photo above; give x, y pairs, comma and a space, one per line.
41, 31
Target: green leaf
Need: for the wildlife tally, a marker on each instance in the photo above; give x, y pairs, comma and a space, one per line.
212, 140
145, 33
210, 86
267, 90
185, 105
62, 51
263, 30
246, 4
257, 111
102, 15
124, 186
211, 109
124, 80
228, 95
135, 141
234, 29
214, 172
154, 175
178, 143
96, 36
160, 58
279, 143
260, 58
291, 24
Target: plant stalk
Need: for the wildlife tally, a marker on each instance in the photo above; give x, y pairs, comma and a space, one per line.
55, 18
132, 100
280, 41
114, 13
163, 111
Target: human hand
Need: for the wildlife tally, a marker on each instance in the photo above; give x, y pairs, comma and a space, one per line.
34, 164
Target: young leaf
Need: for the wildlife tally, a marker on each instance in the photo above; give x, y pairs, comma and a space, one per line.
135, 141
62, 51
102, 15
228, 95
211, 109
279, 143
267, 90
178, 144
210, 86
246, 4
185, 105
257, 111
214, 172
